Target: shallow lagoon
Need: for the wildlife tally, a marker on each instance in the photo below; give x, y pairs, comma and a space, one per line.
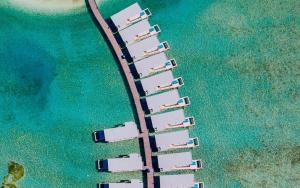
241, 70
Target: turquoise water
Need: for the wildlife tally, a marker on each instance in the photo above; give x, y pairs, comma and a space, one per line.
240, 62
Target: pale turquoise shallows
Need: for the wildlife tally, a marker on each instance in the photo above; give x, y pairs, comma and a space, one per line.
240, 62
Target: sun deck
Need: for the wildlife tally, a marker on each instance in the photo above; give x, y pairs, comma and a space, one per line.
176, 161
156, 103
125, 163
129, 16
134, 183
173, 140
125, 131
138, 32
169, 120
152, 65
158, 83
146, 48
180, 181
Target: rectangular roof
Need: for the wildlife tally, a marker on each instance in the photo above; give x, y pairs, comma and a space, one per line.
156, 102
168, 162
120, 18
127, 131
150, 84
178, 181
166, 140
136, 50
130, 184
161, 121
132, 163
144, 66
128, 35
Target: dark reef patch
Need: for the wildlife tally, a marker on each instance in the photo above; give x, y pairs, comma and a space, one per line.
295, 156
15, 173
28, 70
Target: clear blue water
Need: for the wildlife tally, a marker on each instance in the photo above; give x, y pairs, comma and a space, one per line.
240, 62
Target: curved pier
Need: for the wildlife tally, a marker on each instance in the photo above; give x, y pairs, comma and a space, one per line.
136, 98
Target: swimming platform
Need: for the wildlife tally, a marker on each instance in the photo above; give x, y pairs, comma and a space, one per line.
154, 90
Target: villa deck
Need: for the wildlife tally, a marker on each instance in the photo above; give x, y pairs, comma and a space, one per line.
173, 140
156, 83
138, 50
157, 102
138, 32
134, 183
176, 161
170, 120
152, 65
129, 35
164, 101
182, 181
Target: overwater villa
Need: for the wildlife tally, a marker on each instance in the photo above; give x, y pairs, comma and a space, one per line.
169, 120
180, 181
134, 183
164, 101
124, 163
129, 16
158, 83
146, 48
173, 140
152, 65
176, 161
120, 132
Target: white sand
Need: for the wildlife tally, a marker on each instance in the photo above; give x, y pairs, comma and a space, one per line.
48, 6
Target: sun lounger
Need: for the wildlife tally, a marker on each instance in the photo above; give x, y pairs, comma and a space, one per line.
175, 83
161, 47
153, 30
182, 102
167, 65
138, 17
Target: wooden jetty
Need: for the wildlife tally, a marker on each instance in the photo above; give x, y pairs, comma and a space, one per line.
124, 64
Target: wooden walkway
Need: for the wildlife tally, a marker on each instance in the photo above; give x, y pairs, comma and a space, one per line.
124, 64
